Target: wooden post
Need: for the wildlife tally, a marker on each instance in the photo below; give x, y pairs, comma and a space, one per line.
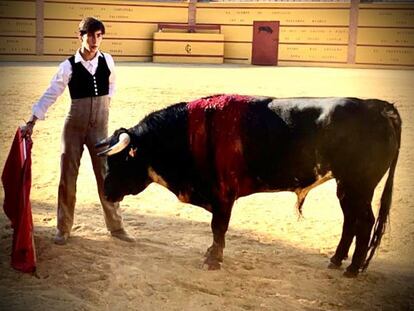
39, 26
353, 30
192, 15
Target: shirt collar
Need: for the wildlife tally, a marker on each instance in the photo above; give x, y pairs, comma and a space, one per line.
79, 58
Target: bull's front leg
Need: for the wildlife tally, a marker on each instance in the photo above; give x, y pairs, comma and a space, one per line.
219, 226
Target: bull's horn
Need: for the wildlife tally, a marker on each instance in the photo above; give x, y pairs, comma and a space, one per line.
122, 143
103, 142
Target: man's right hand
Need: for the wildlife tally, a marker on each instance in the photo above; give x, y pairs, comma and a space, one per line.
27, 129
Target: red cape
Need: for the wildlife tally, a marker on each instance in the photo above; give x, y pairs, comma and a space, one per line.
17, 181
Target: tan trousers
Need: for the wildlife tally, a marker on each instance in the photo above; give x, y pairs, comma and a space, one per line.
85, 124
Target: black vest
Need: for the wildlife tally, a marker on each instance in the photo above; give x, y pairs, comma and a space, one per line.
82, 84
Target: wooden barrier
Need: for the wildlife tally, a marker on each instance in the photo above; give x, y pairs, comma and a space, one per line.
311, 34
188, 47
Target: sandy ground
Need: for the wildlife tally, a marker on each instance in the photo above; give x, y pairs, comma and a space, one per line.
273, 261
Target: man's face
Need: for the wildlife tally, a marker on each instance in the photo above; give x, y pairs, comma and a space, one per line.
92, 41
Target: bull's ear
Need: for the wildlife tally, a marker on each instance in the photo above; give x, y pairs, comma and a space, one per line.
132, 152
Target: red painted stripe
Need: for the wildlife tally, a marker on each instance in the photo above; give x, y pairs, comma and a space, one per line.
237, 41
274, 8
14, 54
108, 21
387, 46
106, 38
315, 26
19, 18
381, 64
16, 36
311, 61
189, 55
182, 6
314, 43
235, 58
182, 40
115, 55
388, 9
385, 27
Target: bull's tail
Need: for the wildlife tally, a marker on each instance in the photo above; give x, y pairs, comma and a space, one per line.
392, 114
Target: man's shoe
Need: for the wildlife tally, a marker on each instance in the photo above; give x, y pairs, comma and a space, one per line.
122, 235
61, 237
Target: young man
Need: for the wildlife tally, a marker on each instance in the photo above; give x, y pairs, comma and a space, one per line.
91, 79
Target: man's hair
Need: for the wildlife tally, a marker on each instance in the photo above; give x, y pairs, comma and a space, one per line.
90, 25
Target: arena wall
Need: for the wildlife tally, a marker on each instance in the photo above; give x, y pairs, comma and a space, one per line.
311, 34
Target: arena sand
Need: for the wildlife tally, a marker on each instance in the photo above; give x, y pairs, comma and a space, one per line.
273, 261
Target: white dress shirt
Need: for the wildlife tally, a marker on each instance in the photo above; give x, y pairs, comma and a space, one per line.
61, 79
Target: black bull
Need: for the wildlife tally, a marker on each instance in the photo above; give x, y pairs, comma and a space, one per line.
211, 151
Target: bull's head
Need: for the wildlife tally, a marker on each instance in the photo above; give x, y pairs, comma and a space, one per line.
127, 168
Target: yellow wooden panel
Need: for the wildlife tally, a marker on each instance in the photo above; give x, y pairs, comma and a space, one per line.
321, 53
187, 59
23, 9
238, 50
244, 16
188, 36
112, 29
13, 45
116, 12
188, 44
237, 33
325, 35
61, 28
314, 35
114, 47
130, 30
384, 55
384, 36
60, 46
128, 47
17, 27
188, 48
386, 18
272, 5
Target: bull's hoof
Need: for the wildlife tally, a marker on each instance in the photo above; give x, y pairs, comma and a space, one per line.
211, 264
335, 263
214, 253
351, 272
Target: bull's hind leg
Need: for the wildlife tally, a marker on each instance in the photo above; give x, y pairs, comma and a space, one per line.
348, 230
219, 226
358, 221
363, 226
